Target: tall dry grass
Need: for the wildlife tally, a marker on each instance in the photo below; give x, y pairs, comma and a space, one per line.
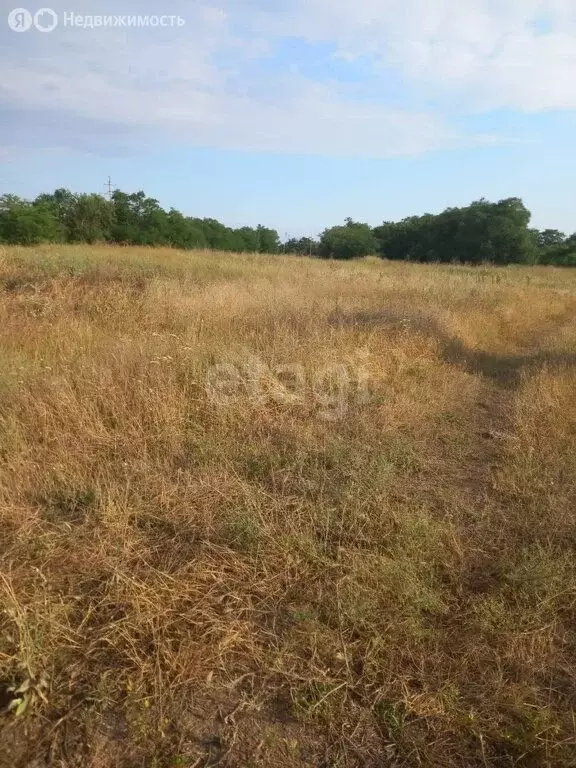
281, 512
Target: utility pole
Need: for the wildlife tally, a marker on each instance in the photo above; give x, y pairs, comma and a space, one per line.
109, 187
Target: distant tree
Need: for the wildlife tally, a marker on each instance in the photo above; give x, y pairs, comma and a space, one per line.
89, 219
560, 252
498, 233
348, 242
268, 240
59, 203
184, 232
220, 237
305, 246
24, 223
138, 220
248, 240
483, 231
553, 247
550, 237
408, 239
126, 226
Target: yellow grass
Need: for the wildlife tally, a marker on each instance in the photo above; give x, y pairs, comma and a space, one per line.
282, 512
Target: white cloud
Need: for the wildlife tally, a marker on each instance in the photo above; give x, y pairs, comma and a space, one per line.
474, 54
180, 88
309, 118
208, 83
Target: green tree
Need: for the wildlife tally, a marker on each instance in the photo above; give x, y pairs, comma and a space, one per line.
347, 242
550, 237
138, 220
184, 232
59, 203
220, 237
481, 232
556, 249
268, 240
305, 246
24, 223
247, 239
89, 219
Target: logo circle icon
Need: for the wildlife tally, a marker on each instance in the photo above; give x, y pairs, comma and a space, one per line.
19, 20
45, 25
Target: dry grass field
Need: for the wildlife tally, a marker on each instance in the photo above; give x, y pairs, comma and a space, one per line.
282, 512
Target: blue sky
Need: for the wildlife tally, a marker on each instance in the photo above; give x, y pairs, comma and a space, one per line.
298, 113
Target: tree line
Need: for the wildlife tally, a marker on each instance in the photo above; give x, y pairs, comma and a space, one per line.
483, 232
130, 219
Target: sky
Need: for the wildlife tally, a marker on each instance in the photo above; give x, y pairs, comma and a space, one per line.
297, 113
